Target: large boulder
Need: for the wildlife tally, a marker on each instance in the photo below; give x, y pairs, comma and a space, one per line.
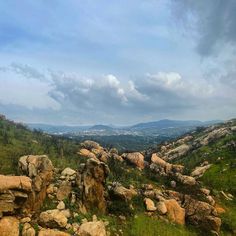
119, 191
200, 170
164, 168
40, 169
86, 153
202, 214
175, 212
28, 230
88, 144
93, 228
9, 226
178, 151
185, 179
14, 192
91, 182
135, 158
53, 219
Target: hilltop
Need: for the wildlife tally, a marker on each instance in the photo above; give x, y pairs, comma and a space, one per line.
53, 185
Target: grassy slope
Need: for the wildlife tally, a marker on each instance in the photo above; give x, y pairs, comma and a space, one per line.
16, 141
220, 177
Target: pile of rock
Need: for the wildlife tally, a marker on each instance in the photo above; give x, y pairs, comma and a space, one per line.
40, 169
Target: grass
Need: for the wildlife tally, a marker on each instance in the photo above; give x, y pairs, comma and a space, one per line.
143, 225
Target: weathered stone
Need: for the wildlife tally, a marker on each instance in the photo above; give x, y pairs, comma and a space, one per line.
52, 232
9, 226
61, 205
64, 190
53, 219
28, 230
161, 208
88, 144
200, 170
175, 212
124, 193
92, 229
150, 206
135, 158
86, 153
91, 182
40, 169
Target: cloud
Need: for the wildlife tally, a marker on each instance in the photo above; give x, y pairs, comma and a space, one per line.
212, 22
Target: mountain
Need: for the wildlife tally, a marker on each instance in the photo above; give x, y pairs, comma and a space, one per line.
163, 127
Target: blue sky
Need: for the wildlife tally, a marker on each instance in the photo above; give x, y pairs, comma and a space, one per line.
120, 62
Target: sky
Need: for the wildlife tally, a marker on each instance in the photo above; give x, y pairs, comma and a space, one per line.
80, 62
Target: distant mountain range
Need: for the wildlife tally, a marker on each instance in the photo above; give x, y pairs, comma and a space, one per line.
161, 127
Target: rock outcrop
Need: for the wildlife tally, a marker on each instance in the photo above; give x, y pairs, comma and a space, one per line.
135, 158
91, 183
40, 169
14, 192
119, 191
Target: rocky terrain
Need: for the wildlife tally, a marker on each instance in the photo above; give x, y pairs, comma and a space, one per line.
162, 191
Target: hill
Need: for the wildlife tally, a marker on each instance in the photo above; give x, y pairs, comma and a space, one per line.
185, 186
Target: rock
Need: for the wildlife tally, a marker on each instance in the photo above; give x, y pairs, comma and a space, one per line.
25, 220
205, 191
14, 192
150, 206
135, 158
50, 189
88, 144
66, 213
64, 190
9, 226
53, 219
185, 179
164, 168
161, 208
214, 135
92, 229
86, 153
28, 230
68, 171
123, 193
173, 184
61, 205
201, 213
200, 170
175, 212
178, 151
40, 169
52, 232
211, 200
91, 183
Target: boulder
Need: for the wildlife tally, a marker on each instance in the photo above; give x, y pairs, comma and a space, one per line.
161, 208
135, 158
178, 151
88, 144
61, 205
64, 190
91, 183
9, 226
53, 219
200, 170
150, 205
68, 172
14, 192
202, 214
185, 179
94, 228
52, 232
40, 169
86, 153
28, 230
123, 193
175, 212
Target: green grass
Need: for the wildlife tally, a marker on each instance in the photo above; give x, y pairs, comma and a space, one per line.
144, 225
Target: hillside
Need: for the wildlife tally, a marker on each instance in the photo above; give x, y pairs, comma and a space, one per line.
181, 187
